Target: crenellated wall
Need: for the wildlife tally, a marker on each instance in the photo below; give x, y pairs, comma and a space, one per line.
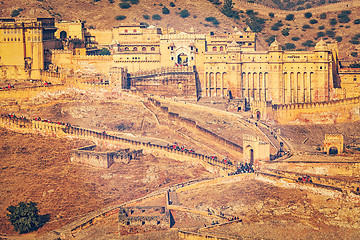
336, 111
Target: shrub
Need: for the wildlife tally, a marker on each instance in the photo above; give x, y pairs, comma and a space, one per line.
285, 31
250, 12
313, 21
24, 217
306, 26
320, 34
308, 43
270, 39
15, 13
124, 5
323, 16
184, 13
330, 33
255, 23
322, 27
165, 10
228, 10
104, 51
215, 2
111, 1
271, 15
156, 17
357, 21
289, 46
213, 20
354, 41
289, 17
333, 22
343, 17
146, 16
355, 65
134, 1
338, 39
144, 24
295, 39
308, 15
120, 17
354, 54
172, 4
275, 28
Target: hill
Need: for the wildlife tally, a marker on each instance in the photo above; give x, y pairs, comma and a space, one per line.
338, 21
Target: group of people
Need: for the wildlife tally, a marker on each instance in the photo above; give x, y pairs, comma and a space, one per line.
9, 86
12, 115
49, 121
175, 146
243, 168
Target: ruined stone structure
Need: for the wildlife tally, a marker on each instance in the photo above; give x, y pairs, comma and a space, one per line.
334, 143
88, 155
255, 150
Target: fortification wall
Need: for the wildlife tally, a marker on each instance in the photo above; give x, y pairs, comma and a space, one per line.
338, 111
192, 125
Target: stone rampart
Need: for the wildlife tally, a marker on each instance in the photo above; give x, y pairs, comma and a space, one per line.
198, 236
335, 111
227, 144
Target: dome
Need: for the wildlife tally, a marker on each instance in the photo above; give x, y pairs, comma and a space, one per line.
275, 46
321, 46
233, 44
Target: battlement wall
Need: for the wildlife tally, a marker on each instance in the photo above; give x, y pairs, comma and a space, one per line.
334, 111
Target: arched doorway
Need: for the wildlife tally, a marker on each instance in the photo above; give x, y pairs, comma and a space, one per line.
251, 157
258, 115
63, 35
333, 151
182, 59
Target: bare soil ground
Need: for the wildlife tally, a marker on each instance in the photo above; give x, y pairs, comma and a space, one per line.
37, 168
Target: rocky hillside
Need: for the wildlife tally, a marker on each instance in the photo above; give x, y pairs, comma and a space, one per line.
296, 30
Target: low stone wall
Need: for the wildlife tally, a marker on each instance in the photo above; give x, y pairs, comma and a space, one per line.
198, 236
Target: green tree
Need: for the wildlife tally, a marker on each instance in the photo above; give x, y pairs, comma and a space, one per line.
270, 39
289, 46
320, 34
271, 15
323, 16
295, 39
184, 13
333, 22
120, 17
285, 31
15, 13
228, 10
156, 17
308, 14
146, 16
313, 21
354, 54
289, 17
124, 5
104, 51
165, 10
24, 217
172, 4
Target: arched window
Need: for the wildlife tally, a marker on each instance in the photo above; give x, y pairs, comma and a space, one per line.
126, 49
143, 49
221, 48
4, 39
126, 30
214, 49
39, 39
135, 49
134, 31
152, 49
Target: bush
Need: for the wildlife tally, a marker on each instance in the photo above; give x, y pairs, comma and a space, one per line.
146, 16
295, 39
184, 13
111, 1
306, 26
322, 27
134, 1
228, 10
320, 34
165, 10
156, 17
333, 22
338, 39
330, 33
120, 17
215, 2
343, 17
285, 31
289, 46
256, 24
213, 20
308, 43
308, 15
313, 21
270, 39
104, 51
144, 24
289, 17
354, 41
172, 4
124, 5
357, 21
271, 15
354, 54
15, 12
323, 16
355, 65
24, 217
277, 26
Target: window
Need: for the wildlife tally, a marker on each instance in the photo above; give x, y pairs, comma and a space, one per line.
135, 49
172, 58
126, 49
126, 30
214, 49
134, 31
221, 48
143, 49
152, 49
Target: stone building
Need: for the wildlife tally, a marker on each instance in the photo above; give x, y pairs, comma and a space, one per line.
23, 43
